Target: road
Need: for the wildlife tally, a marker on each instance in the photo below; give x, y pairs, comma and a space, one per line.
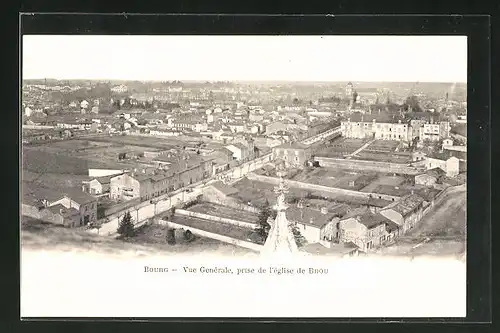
447, 217
441, 232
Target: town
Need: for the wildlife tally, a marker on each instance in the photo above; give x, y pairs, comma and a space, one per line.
370, 167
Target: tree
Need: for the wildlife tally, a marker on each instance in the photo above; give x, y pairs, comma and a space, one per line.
264, 227
299, 239
126, 227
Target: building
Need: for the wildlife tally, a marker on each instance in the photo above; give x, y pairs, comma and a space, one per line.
239, 151
293, 154
406, 212
84, 105
97, 185
312, 223
373, 130
79, 207
435, 131
170, 177
366, 229
430, 177
451, 166
119, 89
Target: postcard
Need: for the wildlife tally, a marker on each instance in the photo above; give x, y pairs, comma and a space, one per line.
237, 176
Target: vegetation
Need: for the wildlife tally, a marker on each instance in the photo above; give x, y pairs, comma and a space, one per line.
264, 227
171, 236
299, 239
126, 227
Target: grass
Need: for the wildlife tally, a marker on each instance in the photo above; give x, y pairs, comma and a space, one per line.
38, 161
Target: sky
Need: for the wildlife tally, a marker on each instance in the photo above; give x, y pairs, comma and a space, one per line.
246, 58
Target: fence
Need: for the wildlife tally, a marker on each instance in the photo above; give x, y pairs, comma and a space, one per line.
314, 187
215, 218
225, 239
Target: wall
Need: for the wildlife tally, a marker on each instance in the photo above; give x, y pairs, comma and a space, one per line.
310, 233
225, 239
145, 210
314, 187
215, 218
367, 165
211, 194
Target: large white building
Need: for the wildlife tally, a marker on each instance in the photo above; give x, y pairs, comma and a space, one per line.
435, 132
373, 130
119, 89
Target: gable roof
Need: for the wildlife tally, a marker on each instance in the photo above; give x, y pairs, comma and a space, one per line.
406, 204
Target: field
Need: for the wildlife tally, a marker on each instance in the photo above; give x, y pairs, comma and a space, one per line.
225, 229
75, 157
151, 142
151, 240
378, 150
340, 147
52, 180
363, 180
225, 212
38, 161
256, 193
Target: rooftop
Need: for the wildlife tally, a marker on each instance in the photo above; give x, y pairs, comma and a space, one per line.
407, 204
309, 216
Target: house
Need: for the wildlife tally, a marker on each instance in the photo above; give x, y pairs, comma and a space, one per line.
148, 185
85, 204
366, 229
239, 151
237, 127
84, 104
293, 154
97, 185
71, 207
418, 156
120, 89
312, 223
451, 166
447, 143
374, 130
406, 212
430, 177
435, 131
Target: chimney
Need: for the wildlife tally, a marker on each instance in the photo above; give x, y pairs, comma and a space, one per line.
412, 192
324, 210
143, 170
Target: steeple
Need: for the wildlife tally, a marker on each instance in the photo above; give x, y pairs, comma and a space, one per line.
280, 241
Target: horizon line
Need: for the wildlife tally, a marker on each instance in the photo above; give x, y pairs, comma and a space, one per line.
239, 81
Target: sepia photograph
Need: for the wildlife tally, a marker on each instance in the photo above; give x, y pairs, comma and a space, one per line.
207, 168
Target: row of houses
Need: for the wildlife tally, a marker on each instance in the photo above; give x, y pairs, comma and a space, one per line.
366, 227
367, 127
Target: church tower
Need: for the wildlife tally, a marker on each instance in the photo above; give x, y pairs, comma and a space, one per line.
349, 90
280, 241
